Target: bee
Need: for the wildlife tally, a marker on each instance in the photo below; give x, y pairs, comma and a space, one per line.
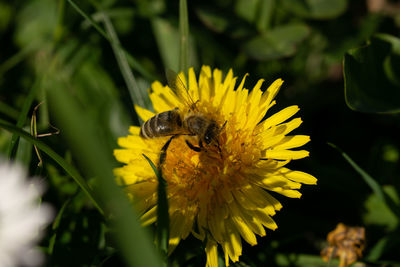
172, 123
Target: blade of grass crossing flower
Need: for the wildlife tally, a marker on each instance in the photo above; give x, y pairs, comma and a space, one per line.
22, 116
95, 160
162, 209
376, 188
184, 36
57, 158
138, 96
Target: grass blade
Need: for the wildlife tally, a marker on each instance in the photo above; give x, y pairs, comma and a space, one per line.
96, 160
9, 111
58, 31
184, 36
55, 226
92, 22
135, 64
162, 210
24, 152
18, 57
167, 38
376, 188
128, 60
57, 158
22, 117
371, 182
138, 96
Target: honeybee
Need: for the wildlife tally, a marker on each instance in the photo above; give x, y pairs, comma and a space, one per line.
172, 123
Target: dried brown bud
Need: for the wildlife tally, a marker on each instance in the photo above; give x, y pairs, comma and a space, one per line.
345, 242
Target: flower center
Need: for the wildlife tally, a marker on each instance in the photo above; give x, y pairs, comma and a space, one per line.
219, 166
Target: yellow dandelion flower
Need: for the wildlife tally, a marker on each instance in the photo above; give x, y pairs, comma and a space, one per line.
219, 194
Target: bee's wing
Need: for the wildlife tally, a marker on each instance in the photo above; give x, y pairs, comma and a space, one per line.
179, 88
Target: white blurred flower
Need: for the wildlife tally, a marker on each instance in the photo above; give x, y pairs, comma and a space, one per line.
22, 217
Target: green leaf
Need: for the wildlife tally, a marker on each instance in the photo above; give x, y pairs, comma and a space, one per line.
378, 212
378, 249
302, 260
258, 12
6, 13
316, 9
162, 209
385, 245
55, 226
214, 20
151, 8
265, 12
277, 43
372, 76
247, 9
167, 37
372, 183
35, 22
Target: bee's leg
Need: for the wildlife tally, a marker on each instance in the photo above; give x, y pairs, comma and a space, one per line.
219, 149
223, 126
163, 154
192, 147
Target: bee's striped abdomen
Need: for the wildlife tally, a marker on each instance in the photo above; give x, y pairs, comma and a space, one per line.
162, 124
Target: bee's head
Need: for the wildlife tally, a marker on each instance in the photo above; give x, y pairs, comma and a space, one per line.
208, 137
212, 133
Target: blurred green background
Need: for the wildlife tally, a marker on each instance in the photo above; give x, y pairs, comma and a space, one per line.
90, 61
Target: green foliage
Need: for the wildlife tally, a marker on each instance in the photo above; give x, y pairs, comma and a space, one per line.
184, 36
278, 43
316, 9
83, 141
372, 75
379, 213
90, 61
302, 260
167, 37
